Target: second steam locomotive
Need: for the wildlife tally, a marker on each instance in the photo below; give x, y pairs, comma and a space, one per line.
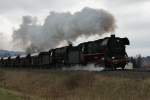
109, 52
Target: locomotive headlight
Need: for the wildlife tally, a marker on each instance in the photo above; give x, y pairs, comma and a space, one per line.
102, 58
113, 57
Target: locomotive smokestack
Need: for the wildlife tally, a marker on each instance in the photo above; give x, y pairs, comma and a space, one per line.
113, 36
62, 26
69, 43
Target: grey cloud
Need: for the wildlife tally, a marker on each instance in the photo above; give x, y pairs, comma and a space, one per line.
119, 3
35, 5
129, 14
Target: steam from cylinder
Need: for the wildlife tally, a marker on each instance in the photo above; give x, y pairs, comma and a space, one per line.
58, 27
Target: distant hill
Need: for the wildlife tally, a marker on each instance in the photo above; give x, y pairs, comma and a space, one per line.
6, 53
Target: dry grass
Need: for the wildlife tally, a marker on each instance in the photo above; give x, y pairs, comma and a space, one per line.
77, 85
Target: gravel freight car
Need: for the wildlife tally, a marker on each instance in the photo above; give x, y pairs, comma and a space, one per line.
45, 59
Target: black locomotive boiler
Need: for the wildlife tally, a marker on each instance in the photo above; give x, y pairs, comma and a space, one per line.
109, 52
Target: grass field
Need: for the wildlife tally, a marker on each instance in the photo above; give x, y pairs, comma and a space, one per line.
74, 85
7, 95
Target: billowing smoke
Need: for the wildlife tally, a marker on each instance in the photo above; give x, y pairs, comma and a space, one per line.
62, 26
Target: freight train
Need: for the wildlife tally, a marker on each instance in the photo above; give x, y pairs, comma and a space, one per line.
109, 52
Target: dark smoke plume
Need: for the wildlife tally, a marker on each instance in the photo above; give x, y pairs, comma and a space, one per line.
62, 26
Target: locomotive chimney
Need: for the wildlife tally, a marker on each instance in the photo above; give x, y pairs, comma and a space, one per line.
69, 43
113, 36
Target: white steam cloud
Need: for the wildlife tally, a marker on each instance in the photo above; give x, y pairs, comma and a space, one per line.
89, 67
62, 26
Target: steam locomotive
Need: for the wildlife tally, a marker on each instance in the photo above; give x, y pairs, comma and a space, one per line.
109, 52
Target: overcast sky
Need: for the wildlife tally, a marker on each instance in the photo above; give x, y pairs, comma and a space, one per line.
132, 17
